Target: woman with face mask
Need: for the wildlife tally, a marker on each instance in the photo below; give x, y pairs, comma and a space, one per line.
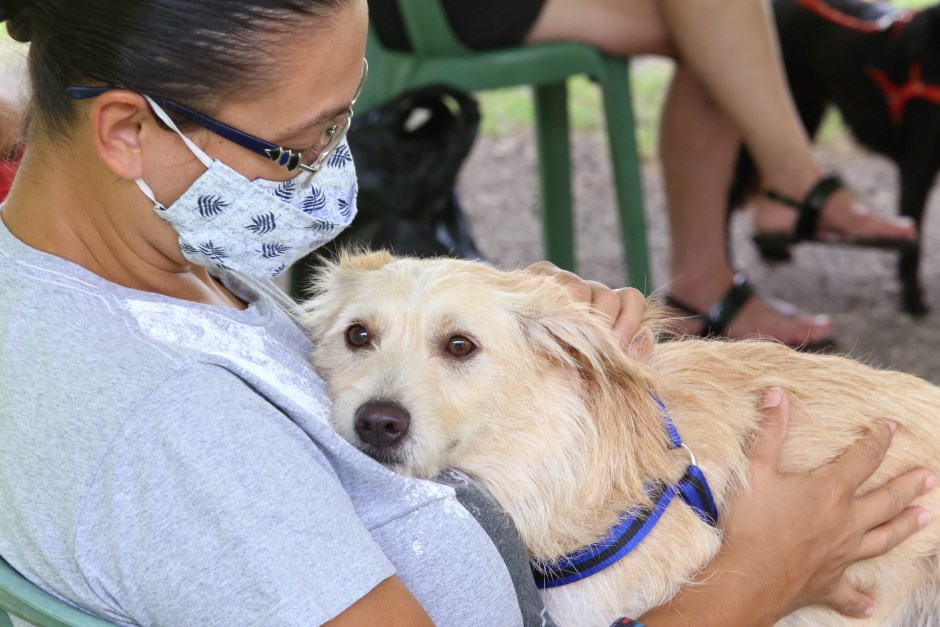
166, 455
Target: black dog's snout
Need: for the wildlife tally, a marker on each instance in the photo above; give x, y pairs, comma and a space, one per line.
381, 423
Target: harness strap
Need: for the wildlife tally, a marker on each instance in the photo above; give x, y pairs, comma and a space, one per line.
694, 490
622, 538
888, 21
898, 96
633, 525
692, 487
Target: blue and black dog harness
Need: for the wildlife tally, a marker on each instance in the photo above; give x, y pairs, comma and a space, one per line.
634, 525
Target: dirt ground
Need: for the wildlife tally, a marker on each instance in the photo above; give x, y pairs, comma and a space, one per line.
856, 287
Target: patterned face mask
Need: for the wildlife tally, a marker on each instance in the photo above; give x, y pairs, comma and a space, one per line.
258, 227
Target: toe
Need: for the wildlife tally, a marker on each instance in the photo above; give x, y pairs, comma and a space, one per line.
759, 319
845, 218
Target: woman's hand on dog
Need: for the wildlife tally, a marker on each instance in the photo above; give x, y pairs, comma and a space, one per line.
809, 527
791, 536
624, 307
790, 539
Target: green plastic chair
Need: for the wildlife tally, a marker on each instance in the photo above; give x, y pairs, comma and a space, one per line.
439, 57
19, 597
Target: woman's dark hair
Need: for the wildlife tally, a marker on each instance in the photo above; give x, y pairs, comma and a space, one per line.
197, 52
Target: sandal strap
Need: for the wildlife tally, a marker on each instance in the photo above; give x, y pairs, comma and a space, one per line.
811, 207
717, 319
723, 312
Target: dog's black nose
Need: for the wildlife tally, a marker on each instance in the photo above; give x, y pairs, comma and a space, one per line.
381, 423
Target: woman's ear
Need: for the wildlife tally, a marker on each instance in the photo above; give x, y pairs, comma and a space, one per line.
119, 119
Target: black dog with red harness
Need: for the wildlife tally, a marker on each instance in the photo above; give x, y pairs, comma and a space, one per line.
880, 67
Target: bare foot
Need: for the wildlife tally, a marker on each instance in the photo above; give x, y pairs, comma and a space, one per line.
843, 219
756, 319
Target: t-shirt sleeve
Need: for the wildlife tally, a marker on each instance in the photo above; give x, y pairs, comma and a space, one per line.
213, 508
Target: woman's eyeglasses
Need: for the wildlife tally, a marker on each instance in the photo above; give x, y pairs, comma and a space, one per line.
309, 160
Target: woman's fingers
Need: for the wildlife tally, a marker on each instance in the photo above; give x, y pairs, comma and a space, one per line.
775, 410
887, 501
885, 537
604, 301
578, 287
848, 601
630, 317
862, 459
623, 307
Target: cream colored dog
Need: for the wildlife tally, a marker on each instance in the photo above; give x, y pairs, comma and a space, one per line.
444, 363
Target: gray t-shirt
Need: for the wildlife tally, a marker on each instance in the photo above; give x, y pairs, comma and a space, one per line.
170, 463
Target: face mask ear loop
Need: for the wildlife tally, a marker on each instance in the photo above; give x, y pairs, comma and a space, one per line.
148, 192
196, 150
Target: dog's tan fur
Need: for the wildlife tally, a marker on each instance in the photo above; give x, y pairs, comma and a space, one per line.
556, 421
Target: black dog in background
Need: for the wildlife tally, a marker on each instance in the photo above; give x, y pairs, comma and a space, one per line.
881, 68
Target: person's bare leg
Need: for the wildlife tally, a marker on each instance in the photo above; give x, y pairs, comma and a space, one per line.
618, 27
698, 146
713, 37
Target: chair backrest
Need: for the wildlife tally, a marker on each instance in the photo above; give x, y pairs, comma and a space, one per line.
430, 35
428, 30
21, 598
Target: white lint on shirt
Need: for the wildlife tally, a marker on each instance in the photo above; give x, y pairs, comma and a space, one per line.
244, 345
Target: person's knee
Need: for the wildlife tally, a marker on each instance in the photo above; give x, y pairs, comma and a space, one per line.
618, 27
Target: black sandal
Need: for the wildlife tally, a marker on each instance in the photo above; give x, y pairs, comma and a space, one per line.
776, 246
717, 319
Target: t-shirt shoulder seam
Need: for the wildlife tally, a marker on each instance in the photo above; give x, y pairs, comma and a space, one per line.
411, 510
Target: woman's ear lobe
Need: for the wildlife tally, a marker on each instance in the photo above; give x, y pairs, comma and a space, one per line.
118, 120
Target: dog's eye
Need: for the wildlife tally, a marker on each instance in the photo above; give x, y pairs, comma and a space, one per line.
459, 346
357, 336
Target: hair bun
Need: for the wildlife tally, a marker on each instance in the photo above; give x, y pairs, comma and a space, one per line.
16, 14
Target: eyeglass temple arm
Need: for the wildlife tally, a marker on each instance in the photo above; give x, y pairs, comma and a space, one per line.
252, 143
283, 156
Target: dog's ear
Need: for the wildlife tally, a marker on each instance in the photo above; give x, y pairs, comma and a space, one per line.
346, 258
333, 282
933, 14
616, 383
564, 332
348, 263
361, 260
569, 332
921, 37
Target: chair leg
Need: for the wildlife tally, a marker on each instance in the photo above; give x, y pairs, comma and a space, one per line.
621, 133
551, 111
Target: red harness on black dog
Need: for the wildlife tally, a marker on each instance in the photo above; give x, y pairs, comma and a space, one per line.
896, 96
886, 22
899, 95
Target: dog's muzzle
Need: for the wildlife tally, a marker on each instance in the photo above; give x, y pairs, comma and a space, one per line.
382, 424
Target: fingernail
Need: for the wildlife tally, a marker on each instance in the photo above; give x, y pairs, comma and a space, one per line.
869, 612
772, 398
929, 483
923, 519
